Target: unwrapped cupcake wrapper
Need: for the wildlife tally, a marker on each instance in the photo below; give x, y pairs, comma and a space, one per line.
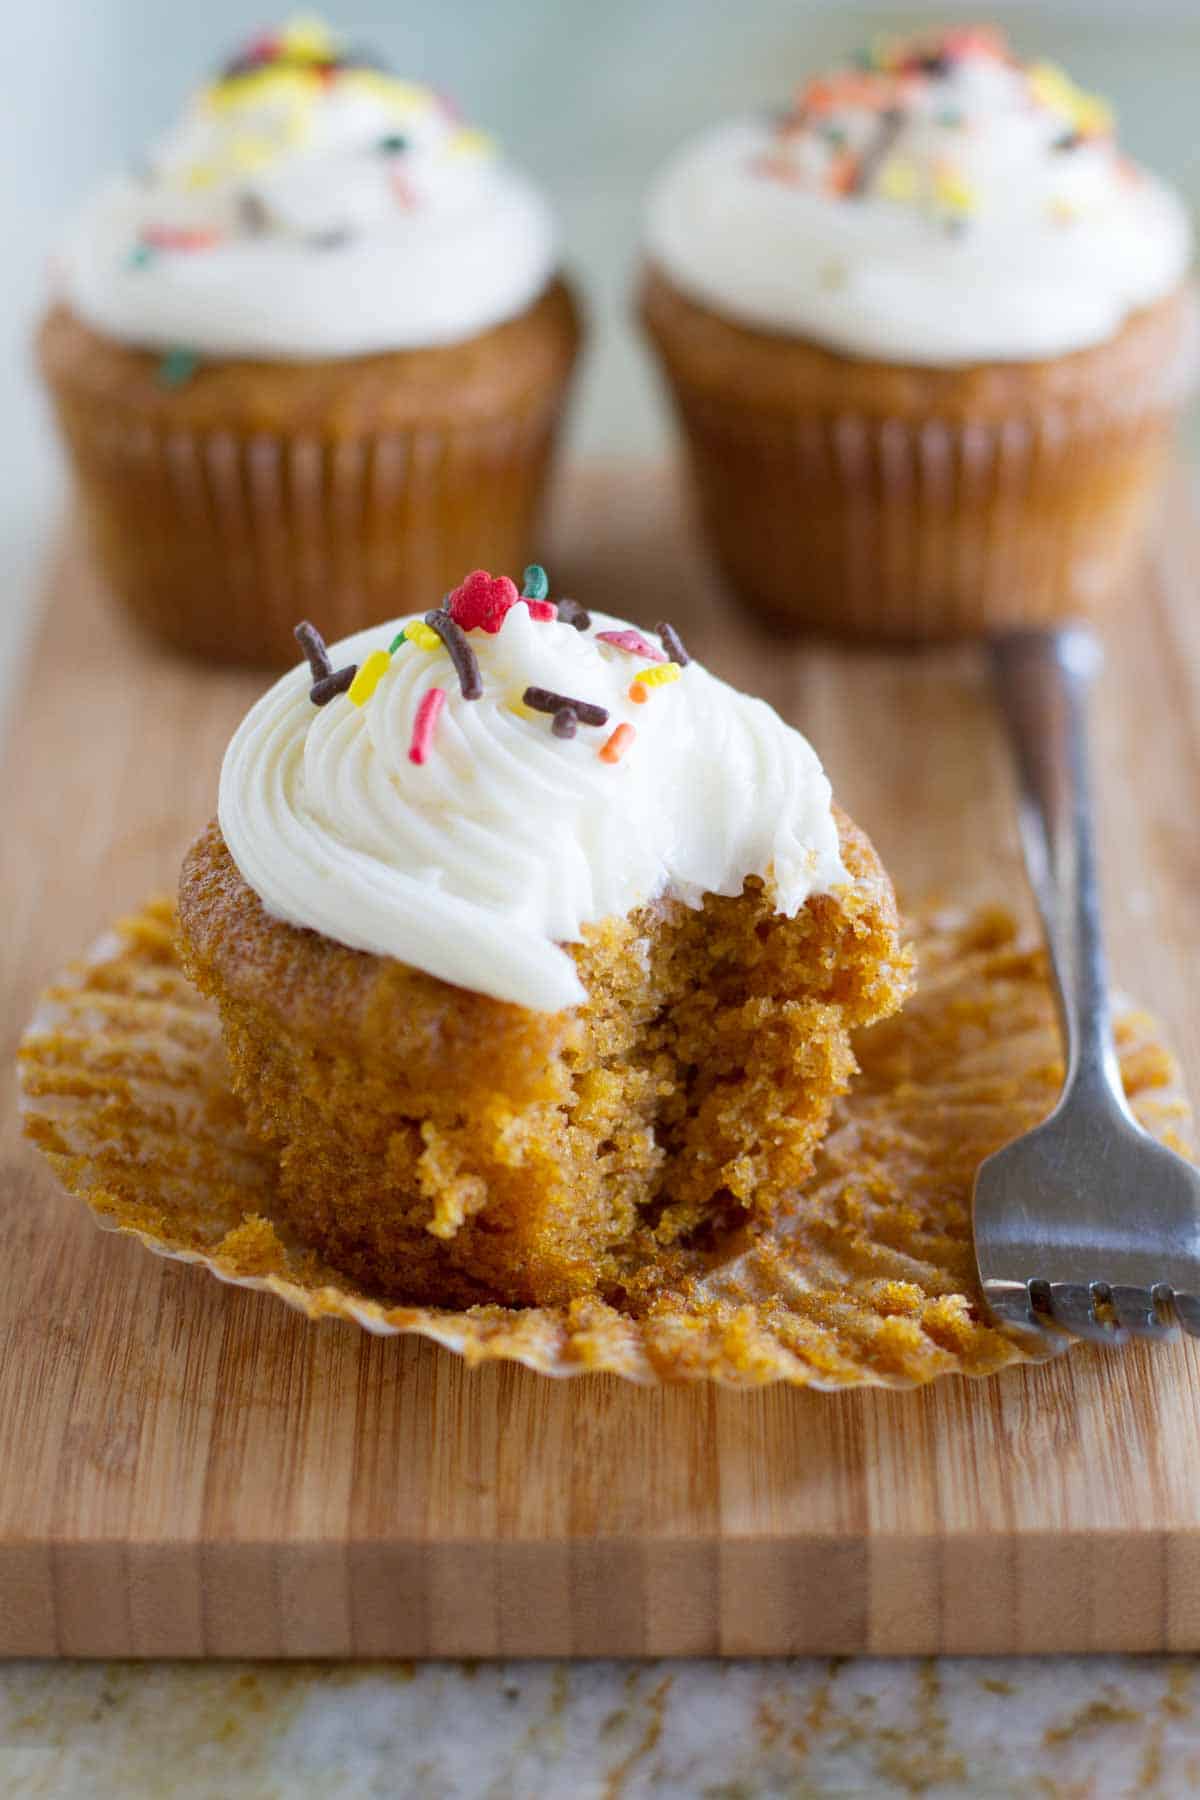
218, 541
866, 1279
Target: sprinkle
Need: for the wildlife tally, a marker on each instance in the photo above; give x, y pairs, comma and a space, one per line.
330, 686
898, 180
140, 255
334, 239
953, 191
547, 701
536, 585
428, 712
466, 664
313, 646
638, 694
177, 366
614, 748
368, 677
422, 635
544, 611
482, 602
173, 237
394, 144
401, 637
633, 641
572, 613
253, 214
565, 721
672, 643
661, 675
891, 123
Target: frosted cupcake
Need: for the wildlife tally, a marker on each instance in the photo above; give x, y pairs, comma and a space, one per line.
926, 335
536, 947
310, 355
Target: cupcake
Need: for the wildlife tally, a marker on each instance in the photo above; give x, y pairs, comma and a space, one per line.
926, 335
537, 948
312, 352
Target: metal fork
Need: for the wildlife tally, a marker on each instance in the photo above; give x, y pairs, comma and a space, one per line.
1085, 1223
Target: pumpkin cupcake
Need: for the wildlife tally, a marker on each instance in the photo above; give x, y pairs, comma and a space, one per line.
536, 948
926, 334
313, 351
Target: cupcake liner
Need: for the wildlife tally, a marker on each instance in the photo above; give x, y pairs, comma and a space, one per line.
225, 507
866, 1279
218, 541
986, 500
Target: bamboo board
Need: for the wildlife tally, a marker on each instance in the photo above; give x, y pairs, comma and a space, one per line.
192, 1470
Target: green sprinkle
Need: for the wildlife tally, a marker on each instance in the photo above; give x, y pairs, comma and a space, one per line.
834, 136
393, 144
537, 583
178, 366
400, 638
140, 255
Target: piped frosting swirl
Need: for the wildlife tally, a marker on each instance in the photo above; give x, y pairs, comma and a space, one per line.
477, 846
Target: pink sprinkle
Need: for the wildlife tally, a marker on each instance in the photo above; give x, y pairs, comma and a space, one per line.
427, 717
542, 609
634, 642
171, 237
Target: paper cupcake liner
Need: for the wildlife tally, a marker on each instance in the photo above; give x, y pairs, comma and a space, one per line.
219, 540
982, 499
867, 1279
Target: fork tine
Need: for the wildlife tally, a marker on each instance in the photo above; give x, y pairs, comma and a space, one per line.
1188, 1308
1137, 1312
1011, 1303
1072, 1305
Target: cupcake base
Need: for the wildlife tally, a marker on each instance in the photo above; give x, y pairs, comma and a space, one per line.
225, 501
873, 500
865, 1279
438, 1145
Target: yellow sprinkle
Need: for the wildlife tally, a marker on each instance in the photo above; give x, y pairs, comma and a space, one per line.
470, 141
247, 154
522, 711
368, 677
200, 176
295, 87
953, 191
422, 635
1053, 88
308, 36
898, 179
658, 675
1063, 212
405, 98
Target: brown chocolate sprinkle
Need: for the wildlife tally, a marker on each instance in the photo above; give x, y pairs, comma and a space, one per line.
330, 686
565, 721
878, 150
466, 664
672, 643
572, 613
547, 701
253, 214
313, 646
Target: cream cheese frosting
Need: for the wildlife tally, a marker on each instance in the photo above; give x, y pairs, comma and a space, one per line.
940, 204
310, 204
480, 862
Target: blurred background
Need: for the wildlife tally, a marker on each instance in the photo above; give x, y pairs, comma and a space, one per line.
589, 96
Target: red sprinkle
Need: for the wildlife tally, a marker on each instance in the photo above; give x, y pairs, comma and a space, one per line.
482, 601
542, 609
614, 748
634, 642
427, 717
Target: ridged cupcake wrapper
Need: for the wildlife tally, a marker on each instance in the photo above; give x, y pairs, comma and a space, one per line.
868, 1280
218, 541
892, 528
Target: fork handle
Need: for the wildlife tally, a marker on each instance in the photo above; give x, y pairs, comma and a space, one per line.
1042, 680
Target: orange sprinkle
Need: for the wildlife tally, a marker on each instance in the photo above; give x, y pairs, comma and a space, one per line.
637, 693
615, 747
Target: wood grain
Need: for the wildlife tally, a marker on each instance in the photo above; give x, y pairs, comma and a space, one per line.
190, 1470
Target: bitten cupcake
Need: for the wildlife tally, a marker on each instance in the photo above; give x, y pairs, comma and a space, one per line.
536, 947
311, 353
926, 335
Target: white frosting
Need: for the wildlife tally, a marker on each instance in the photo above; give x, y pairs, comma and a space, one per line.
314, 238
975, 239
478, 864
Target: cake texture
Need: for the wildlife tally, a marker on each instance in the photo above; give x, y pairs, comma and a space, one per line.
526, 979
927, 336
315, 344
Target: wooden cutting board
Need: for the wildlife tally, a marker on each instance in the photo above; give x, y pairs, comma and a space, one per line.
189, 1470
